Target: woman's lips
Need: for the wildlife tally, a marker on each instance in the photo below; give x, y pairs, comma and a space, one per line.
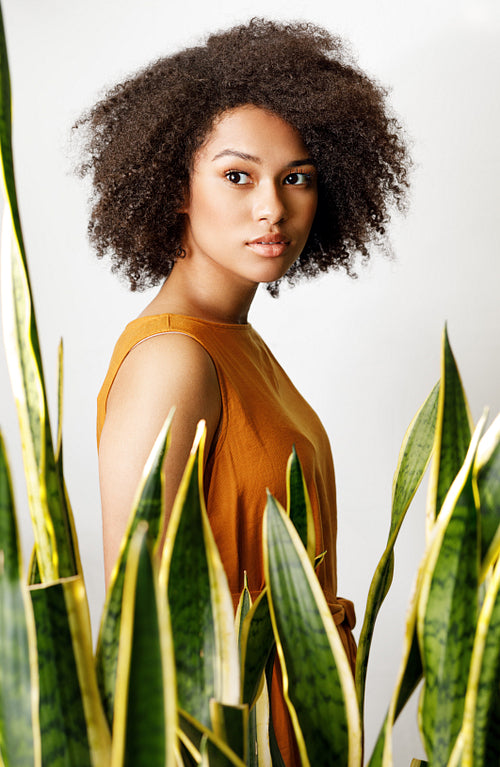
269, 245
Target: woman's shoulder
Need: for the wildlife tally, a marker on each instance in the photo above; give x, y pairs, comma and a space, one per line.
155, 367
163, 361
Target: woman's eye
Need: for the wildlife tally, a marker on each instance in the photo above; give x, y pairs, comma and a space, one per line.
298, 179
237, 177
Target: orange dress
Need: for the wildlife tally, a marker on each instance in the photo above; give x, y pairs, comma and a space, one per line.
263, 416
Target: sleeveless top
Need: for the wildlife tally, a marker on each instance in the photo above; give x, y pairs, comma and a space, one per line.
262, 417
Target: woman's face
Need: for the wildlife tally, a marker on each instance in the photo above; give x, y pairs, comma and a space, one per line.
253, 197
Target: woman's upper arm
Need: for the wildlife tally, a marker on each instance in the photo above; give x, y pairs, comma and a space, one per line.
163, 371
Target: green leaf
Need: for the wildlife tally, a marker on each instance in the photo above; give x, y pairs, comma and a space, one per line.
230, 724
145, 721
19, 730
453, 433
274, 750
72, 724
257, 642
57, 548
6, 133
299, 505
409, 677
253, 744
317, 681
206, 652
244, 605
488, 483
195, 733
481, 728
447, 613
148, 507
413, 460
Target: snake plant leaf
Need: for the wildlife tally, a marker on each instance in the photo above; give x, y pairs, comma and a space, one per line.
452, 436
481, 724
6, 134
145, 718
19, 729
274, 750
447, 612
244, 605
317, 681
57, 548
194, 733
409, 677
206, 651
72, 723
147, 507
257, 638
258, 716
230, 724
488, 483
60, 389
299, 504
257, 642
259, 719
413, 460
33, 569
418, 763
28, 387
410, 670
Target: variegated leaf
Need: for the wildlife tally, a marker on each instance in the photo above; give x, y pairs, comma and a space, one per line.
413, 460
317, 681
206, 652
147, 507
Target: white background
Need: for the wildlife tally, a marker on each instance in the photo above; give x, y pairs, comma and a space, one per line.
365, 353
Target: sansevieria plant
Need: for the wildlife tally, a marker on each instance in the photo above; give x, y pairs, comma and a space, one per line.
176, 679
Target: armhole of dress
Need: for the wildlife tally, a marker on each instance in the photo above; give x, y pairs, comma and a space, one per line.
220, 432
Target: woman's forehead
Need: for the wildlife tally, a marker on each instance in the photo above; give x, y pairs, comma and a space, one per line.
255, 132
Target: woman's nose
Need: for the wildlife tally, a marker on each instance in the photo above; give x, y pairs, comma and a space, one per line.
270, 204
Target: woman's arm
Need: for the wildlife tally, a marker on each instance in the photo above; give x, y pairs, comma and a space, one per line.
161, 371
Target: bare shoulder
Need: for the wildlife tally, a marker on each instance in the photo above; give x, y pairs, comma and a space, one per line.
165, 370
165, 364
159, 373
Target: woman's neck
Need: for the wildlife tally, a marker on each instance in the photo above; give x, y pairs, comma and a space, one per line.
209, 299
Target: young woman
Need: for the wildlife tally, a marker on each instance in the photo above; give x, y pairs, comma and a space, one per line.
261, 154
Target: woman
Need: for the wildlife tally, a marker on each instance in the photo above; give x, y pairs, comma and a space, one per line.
263, 153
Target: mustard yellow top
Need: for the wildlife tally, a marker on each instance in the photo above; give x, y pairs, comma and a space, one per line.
263, 416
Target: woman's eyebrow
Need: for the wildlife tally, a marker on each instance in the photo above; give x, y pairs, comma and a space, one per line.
235, 153
252, 158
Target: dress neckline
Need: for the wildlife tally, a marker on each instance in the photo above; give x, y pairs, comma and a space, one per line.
228, 325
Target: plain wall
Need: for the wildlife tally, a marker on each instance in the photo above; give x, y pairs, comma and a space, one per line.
364, 352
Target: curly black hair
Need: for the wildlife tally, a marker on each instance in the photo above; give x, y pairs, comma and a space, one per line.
141, 138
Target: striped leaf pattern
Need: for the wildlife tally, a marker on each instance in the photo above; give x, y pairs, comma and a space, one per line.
73, 730
413, 460
258, 717
318, 686
145, 721
453, 433
481, 729
194, 733
147, 507
299, 505
488, 483
447, 613
257, 642
19, 732
57, 548
206, 652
